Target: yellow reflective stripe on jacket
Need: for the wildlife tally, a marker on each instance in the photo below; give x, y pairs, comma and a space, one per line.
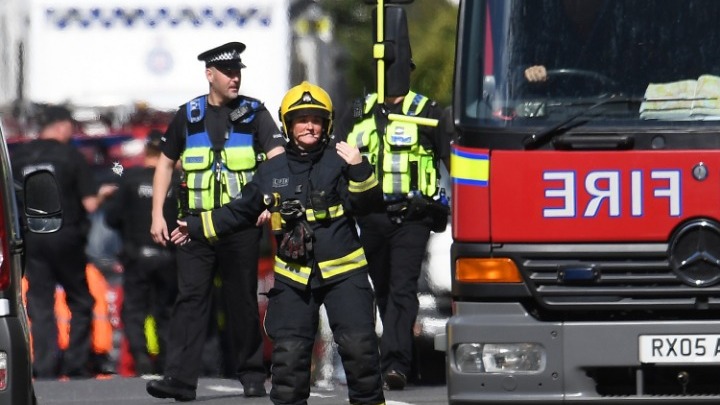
335, 211
208, 227
359, 187
293, 271
349, 262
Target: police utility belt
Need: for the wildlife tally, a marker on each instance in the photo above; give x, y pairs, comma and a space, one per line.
416, 207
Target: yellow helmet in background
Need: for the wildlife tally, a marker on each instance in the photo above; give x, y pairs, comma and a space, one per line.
306, 99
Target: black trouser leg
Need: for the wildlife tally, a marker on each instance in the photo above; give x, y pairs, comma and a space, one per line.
238, 257
395, 254
41, 305
351, 313
291, 360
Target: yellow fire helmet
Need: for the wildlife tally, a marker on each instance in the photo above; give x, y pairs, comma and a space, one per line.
306, 99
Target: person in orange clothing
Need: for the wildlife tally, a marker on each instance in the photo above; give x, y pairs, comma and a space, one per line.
101, 336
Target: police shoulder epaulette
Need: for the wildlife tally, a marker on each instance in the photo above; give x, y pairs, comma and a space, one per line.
246, 109
195, 109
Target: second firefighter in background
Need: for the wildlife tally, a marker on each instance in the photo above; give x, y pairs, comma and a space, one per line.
318, 185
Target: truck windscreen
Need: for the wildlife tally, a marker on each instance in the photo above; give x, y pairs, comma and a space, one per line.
533, 63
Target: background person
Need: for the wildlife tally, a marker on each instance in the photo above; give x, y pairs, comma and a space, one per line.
150, 274
396, 240
59, 258
214, 137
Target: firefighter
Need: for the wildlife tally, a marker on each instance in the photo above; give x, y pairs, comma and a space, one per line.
220, 139
406, 157
318, 184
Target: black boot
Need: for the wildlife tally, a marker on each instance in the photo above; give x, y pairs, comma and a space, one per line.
169, 387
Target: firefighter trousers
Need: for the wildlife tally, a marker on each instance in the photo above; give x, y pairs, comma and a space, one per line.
291, 322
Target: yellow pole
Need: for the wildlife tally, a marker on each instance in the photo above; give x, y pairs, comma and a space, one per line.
379, 50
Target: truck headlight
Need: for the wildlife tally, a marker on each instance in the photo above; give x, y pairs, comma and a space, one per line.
506, 358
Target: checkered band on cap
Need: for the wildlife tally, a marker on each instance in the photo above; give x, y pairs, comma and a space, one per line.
224, 57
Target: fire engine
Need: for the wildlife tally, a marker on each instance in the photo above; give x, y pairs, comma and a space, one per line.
586, 203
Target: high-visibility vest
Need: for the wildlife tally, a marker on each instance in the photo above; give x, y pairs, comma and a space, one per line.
399, 157
215, 177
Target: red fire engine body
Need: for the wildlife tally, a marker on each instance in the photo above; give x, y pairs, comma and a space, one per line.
585, 203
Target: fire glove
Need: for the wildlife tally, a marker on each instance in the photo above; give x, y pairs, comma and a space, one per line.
291, 210
296, 243
297, 237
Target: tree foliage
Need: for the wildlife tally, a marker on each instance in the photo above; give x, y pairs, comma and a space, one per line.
432, 26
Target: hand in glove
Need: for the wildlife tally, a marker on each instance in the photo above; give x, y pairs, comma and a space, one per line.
296, 243
291, 210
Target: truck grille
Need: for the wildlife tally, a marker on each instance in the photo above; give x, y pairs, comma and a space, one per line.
616, 280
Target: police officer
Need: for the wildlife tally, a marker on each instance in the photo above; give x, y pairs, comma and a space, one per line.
150, 275
219, 138
319, 258
406, 157
59, 258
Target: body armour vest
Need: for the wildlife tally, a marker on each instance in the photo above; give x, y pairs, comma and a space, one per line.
215, 177
400, 160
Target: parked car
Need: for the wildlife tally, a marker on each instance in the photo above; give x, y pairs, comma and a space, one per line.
42, 214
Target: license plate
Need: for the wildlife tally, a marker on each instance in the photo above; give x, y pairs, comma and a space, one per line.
679, 348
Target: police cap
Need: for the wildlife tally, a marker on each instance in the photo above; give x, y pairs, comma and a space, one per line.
224, 56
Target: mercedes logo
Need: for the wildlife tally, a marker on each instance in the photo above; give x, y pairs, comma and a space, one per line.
695, 253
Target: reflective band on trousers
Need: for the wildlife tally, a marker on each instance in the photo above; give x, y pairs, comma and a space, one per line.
328, 268
352, 261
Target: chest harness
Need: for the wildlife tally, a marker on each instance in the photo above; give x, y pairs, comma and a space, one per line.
215, 175
405, 166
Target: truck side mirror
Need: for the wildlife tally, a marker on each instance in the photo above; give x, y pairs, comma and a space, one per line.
41, 197
398, 56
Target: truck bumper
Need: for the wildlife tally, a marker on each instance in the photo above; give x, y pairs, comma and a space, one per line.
585, 362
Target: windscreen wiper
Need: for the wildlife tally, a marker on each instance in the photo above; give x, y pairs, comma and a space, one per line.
537, 139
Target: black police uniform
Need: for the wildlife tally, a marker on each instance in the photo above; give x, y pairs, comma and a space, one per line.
303, 284
59, 258
235, 258
395, 248
150, 274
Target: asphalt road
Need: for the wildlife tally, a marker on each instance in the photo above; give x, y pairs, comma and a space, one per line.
131, 391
